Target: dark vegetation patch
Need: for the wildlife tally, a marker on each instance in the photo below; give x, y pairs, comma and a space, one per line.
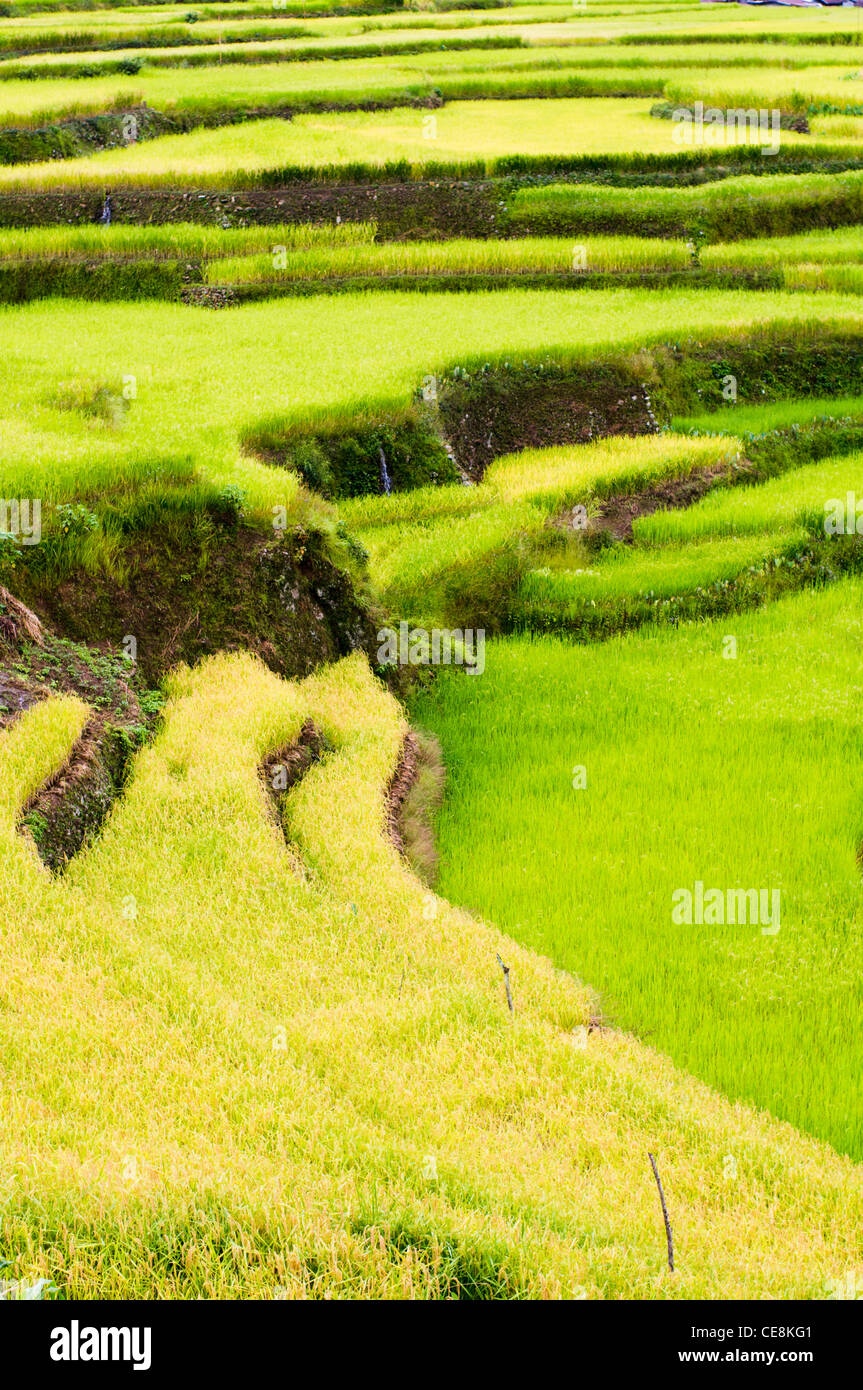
439, 207
407, 453
788, 120
128, 278
14, 45
768, 366
94, 279
551, 209
455, 1267
777, 450
220, 295
186, 588
846, 38
614, 518
67, 811
82, 135
285, 767
413, 798
793, 567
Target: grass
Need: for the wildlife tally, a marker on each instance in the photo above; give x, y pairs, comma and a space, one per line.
301, 257
625, 572
814, 89
838, 245
791, 500
174, 239
844, 279
750, 539
248, 1052
742, 206
423, 571
642, 24
562, 476
426, 550
747, 419
735, 773
200, 49
274, 255
311, 85
211, 387
462, 132
528, 255
290, 1143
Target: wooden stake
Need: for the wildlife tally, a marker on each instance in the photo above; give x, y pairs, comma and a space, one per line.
668, 1238
505, 969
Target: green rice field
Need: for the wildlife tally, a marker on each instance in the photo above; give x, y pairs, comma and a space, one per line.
431, 771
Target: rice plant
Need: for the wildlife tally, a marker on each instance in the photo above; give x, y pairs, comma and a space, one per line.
290, 1118
699, 767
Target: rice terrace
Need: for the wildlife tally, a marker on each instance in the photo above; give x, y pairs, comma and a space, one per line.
431, 651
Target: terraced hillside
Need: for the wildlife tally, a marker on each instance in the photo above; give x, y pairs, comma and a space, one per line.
430, 650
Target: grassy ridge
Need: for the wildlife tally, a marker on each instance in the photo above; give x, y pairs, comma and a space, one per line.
305, 47
175, 239
209, 387
758, 534
738, 207
459, 256
794, 499
350, 73
756, 420
816, 260
270, 260
476, 138
429, 556
625, 573
322, 84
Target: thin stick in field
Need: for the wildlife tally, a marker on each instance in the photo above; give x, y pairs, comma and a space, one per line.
505, 969
668, 1236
